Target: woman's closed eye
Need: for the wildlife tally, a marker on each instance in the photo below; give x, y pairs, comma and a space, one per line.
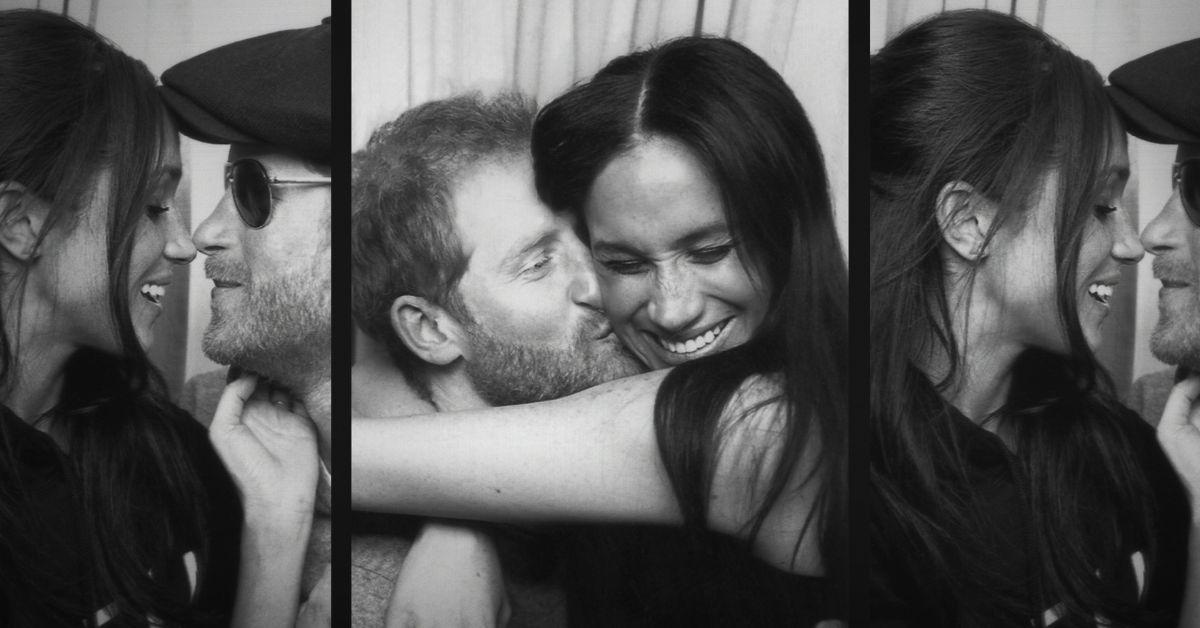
711, 254
154, 211
1102, 210
623, 266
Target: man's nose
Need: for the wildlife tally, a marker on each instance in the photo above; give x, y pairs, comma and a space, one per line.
1165, 231
215, 233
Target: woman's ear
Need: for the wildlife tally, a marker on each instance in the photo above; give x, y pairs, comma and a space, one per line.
964, 218
428, 330
22, 216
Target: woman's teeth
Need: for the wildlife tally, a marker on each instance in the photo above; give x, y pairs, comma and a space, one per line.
694, 344
1100, 292
153, 292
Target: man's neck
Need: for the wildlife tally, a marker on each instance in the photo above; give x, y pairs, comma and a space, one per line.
450, 389
312, 388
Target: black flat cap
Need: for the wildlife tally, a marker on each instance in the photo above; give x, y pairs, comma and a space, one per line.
271, 89
1158, 95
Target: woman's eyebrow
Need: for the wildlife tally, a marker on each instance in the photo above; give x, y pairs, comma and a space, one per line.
714, 229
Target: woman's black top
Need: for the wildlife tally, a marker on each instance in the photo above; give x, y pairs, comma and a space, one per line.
900, 597
52, 578
649, 576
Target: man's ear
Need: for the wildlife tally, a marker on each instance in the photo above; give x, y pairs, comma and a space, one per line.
964, 219
22, 216
428, 330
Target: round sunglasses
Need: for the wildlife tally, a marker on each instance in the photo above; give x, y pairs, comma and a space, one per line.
251, 187
1185, 176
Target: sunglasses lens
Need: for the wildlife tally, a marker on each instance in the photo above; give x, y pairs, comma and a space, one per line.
251, 193
1189, 189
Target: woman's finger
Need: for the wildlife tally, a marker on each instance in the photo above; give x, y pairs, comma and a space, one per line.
280, 397
233, 399
1181, 403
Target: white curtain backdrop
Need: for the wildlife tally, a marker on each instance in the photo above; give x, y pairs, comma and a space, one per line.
409, 52
1108, 33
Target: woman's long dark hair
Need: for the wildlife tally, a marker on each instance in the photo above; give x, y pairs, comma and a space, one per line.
740, 119
74, 105
985, 99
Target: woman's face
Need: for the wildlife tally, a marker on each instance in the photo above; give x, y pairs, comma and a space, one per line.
78, 258
1108, 241
671, 277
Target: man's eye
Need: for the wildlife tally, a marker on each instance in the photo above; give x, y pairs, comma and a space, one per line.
712, 254
624, 267
538, 266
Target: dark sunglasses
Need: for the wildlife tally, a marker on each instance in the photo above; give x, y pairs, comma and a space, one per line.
251, 186
1186, 177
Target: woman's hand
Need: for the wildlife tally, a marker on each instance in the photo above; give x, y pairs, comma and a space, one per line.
269, 445
1179, 434
451, 578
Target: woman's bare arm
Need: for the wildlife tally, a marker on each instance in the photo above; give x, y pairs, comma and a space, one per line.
590, 457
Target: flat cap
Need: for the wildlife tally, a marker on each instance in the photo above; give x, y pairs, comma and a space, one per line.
271, 89
1158, 95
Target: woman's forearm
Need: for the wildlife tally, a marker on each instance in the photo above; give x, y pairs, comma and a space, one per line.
588, 457
272, 561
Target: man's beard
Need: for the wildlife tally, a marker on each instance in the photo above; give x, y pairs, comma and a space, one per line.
506, 372
1176, 337
280, 329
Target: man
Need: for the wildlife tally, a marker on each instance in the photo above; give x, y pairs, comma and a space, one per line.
1158, 97
268, 248
472, 293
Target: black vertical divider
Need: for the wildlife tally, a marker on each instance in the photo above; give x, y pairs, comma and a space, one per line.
859, 224
343, 327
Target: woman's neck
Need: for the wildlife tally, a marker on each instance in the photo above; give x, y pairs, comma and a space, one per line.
36, 379
987, 355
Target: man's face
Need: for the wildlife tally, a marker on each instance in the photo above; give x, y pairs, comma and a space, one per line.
1175, 242
271, 300
534, 323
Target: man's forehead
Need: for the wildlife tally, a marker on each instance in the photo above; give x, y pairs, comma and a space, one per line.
275, 159
497, 211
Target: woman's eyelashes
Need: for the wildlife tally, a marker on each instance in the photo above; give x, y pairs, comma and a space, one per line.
705, 255
711, 254
623, 266
154, 211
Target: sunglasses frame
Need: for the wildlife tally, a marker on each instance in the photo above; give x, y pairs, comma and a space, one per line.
230, 166
1193, 213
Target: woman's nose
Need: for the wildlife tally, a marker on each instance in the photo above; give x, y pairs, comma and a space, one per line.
1127, 246
675, 304
179, 247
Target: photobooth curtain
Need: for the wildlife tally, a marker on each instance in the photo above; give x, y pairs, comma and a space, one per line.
409, 52
1107, 33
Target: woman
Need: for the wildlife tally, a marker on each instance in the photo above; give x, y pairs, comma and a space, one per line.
702, 189
1010, 486
113, 507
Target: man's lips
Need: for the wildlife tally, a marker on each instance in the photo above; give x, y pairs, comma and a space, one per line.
224, 283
